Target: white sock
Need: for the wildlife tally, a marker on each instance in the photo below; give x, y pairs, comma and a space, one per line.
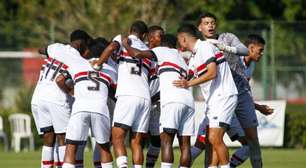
240, 156
47, 157
122, 161
79, 156
55, 156
137, 166
225, 166
212, 166
107, 165
61, 154
195, 152
152, 156
166, 165
68, 165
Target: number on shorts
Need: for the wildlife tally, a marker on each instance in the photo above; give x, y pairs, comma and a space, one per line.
92, 76
136, 70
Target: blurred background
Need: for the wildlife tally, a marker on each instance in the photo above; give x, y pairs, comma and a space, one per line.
26, 25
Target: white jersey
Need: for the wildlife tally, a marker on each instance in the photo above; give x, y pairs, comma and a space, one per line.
172, 67
132, 72
223, 85
90, 86
154, 82
47, 88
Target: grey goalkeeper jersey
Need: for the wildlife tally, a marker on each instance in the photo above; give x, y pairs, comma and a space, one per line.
234, 61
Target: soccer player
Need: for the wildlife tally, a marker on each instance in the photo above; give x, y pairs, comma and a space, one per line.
53, 108
213, 75
245, 110
154, 38
91, 91
132, 110
177, 104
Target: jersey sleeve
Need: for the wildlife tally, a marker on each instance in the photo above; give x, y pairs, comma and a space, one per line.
207, 54
118, 39
242, 50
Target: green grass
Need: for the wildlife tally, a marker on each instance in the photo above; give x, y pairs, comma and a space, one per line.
273, 158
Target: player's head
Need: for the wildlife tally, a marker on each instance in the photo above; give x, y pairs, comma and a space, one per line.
80, 40
256, 46
97, 47
186, 34
207, 24
154, 35
139, 28
168, 40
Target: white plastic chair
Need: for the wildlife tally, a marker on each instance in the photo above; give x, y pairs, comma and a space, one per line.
3, 135
21, 128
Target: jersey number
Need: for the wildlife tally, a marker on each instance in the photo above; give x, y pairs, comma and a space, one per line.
56, 71
93, 75
136, 70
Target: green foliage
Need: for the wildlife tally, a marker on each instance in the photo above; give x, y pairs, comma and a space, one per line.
295, 135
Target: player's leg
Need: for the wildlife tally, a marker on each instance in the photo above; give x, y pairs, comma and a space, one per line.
246, 115
60, 118
154, 146
100, 125
185, 131
46, 127
167, 137
139, 129
235, 132
220, 114
76, 134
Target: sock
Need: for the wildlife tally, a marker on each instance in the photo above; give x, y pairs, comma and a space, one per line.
122, 161
225, 166
183, 167
96, 157
79, 156
61, 154
195, 152
212, 166
240, 156
137, 166
47, 157
152, 156
255, 153
107, 165
166, 165
55, 155
68, 165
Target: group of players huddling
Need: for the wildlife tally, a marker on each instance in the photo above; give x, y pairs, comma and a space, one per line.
139, 84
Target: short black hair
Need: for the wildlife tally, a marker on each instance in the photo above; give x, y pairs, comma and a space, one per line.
80, 35
139, 27
155, 28
168, 40
189, 29
97, 46
204, 15
255, 39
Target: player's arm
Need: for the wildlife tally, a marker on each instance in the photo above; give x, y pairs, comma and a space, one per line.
65, 84
113, 46
133, 52
264, 109
209, 75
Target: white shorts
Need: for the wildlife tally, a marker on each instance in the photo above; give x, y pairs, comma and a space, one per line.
81, 122
35, 114
132, 113
177, 117
154, 120
220, 112
53, 117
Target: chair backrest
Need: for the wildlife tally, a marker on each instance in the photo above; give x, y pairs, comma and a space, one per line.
20, 123
1, 124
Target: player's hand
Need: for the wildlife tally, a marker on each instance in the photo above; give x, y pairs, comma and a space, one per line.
182, 83
265, 110
95, 65
217, 43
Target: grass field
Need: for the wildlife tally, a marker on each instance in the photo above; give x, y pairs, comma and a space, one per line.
273, 158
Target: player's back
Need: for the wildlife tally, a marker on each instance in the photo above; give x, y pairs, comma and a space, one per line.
90, 86
133, 72
172, 67
221, 86
47, 88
